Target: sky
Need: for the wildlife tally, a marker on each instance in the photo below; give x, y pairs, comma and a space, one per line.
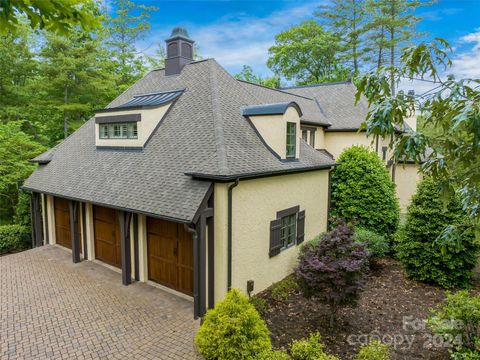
238, 33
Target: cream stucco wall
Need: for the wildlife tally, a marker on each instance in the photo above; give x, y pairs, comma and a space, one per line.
255, 204
51, 220
145, 127
273, 129
336, 142
406, 177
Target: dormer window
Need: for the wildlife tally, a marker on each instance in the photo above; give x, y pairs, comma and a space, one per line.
291, 139
119, 131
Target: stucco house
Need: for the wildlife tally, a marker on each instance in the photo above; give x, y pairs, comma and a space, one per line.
196, 181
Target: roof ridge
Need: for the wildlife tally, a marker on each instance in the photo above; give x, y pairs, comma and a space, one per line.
273, 89
317, 85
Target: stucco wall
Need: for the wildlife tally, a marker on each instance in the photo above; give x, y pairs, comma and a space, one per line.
406, 177
336, 142
255, 204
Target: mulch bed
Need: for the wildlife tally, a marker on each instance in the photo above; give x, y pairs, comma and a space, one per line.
391, 308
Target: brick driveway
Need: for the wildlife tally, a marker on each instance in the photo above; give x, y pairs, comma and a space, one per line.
53, 309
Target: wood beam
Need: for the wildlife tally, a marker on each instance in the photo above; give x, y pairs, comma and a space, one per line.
73, 209
124, 218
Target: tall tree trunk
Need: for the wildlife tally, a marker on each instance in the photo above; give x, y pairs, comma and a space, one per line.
65, 118
355, 40
392, 49
380, 47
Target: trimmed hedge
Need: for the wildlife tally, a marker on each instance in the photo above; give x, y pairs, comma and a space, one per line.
377, 245
363, 192
424, 257
14, 238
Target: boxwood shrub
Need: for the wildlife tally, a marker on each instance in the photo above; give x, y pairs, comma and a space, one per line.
14, 238
363, 192
419, 249
377, 245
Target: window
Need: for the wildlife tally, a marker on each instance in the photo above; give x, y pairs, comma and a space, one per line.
291, 139
288, 231
305, 135
312, 138
119, 131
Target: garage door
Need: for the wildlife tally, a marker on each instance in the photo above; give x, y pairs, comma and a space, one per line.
170, 255
107, 236
62, 223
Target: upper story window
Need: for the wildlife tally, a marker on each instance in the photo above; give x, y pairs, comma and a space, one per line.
291, 139
119, 131
305, 135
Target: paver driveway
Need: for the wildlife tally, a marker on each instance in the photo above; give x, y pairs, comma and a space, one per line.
52, 308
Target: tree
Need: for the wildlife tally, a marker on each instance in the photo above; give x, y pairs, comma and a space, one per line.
363, 192
247, 75
347, 20
423, 257
57, 15
16, 151
333, 269
307, 54
129, 25
452, 106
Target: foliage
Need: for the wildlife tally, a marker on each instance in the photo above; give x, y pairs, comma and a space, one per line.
259, 304
376, 244
310, 348
311, 243
14, 238
458, 321
465, 354
307, 54
56, 15
232, 330
375, 350
22, 210
273, 355
424, 255
247, 75
281, 290
363, 192
453, 106
333, 271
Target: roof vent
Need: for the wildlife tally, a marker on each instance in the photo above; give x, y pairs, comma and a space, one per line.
179, 51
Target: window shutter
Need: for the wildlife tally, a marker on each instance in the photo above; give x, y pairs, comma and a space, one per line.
300, 227
275, 241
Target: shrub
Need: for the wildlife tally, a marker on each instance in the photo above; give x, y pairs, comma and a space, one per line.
14, 238
363, 192
22, 210
333, 271
458, 321
310, 349
377, 245
424, 255
259, 304
273, 355
281, 290
311, 243
233, 330
373, 351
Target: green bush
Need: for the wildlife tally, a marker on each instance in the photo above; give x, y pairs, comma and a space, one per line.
363, 192
14, 238
233, 330
281, 290
465, 354
259, 304
458, 321
373, 351
310, 244
377, 245
22, 210
273, 355
424, 255
310, 348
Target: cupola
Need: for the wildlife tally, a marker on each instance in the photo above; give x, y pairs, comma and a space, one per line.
179, 51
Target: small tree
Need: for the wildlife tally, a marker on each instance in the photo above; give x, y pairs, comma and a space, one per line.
425, 255
333, 270
362, 191
233, 330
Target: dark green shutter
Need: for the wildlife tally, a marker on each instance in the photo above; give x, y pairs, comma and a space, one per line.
300, 227
275, 241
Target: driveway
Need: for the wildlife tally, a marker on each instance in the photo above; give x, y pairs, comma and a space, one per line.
51, 308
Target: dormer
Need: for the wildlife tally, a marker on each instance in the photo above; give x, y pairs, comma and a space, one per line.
131, 124
279, 127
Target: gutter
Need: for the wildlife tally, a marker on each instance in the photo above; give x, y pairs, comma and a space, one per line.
196, 261
229, 245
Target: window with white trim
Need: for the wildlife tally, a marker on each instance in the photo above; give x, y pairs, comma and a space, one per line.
119, 131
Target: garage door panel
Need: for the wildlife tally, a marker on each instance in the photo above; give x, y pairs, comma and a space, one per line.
62, 223
107, 236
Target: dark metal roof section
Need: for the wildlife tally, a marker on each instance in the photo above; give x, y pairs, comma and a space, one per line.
118, 119
269, 109
148, 100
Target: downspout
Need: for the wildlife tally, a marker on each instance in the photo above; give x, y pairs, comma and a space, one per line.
191, 229
229, 245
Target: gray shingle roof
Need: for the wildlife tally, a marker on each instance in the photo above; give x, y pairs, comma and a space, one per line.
337, 103
203, 133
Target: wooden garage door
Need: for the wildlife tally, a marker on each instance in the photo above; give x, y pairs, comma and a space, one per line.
62, 223
170, 255
107, 236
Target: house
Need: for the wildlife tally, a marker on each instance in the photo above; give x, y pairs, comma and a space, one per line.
194, 180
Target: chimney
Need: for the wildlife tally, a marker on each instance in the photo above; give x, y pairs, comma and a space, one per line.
179, 51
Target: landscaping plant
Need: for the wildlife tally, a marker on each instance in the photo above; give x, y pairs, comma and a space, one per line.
377, 245
333, 271
458, 321
363, 192
424, 253
375, 350
233, 330
281, 290
310, 348
14, 238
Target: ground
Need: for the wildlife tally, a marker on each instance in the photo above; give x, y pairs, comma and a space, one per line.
391, 307
52, 308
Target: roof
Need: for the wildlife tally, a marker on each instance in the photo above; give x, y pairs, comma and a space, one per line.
269, 109
148, 100
203, 133
337, 102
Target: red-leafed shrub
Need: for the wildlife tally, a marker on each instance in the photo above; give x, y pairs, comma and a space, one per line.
333, 270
